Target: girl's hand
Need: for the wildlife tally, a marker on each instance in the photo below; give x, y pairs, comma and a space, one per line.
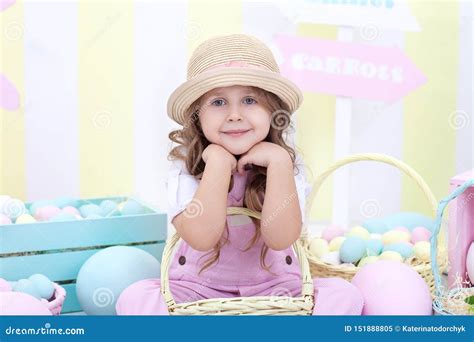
264, 154
220, 154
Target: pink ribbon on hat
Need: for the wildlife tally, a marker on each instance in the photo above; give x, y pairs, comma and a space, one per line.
236, 64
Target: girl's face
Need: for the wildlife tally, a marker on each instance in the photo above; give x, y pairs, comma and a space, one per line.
234, 117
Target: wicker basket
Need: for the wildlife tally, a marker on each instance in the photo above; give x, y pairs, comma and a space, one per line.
258, 305
449, 301
324, 270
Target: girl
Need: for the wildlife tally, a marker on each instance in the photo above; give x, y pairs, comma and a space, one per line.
234, 109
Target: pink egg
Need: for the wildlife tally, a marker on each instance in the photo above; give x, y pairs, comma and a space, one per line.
71, 210
332, 231
420, 234
45, 213
4, 219
402, 229
5, 285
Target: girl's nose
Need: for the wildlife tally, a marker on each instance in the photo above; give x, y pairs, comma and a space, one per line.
234, 116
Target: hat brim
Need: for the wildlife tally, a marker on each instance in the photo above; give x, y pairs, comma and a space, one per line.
188, 92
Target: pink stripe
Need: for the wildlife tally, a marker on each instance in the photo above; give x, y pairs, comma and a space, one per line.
236, 64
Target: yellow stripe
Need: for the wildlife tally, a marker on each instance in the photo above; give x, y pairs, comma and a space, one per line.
429, 140
315, 131
207, 18
12, 133
106, 97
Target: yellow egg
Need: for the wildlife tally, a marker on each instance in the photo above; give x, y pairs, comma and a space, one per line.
391, 255
25, 218
336, 243
367, 260
422, 250
394, 236
318, 247
359, 231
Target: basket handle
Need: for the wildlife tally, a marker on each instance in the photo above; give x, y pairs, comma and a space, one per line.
437, 226
382, 158
307, 287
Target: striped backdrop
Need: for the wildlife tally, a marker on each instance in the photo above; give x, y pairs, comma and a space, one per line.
94, 77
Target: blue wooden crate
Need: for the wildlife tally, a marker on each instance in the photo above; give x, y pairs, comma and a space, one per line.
59, 249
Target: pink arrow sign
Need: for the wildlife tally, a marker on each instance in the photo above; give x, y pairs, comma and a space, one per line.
348, 69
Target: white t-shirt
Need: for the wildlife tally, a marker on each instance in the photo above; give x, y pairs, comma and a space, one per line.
181, 187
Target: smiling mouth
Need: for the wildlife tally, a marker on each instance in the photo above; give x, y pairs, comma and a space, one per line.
236, 134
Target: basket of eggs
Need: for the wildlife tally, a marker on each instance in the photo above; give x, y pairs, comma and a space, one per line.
342, 252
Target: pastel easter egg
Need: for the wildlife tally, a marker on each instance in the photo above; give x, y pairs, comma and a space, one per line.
71, 210
25, 218
391, 255
26, 286
39, 204
5, 285
336, 243
4, 219
420, 234
45, 213
89, 209
63, 216
405, 249
374, 247
353, 249
331, 258
132, 207
44, 286
359, 231
393, 236
422, 250
367, 260
331, 232
318, 247
109, 208
402, 229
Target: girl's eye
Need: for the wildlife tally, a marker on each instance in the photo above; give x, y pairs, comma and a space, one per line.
218, 102
249, 100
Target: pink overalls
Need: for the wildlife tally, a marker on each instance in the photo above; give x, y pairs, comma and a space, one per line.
237, 274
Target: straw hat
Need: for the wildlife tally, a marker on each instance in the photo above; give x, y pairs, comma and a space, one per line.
235, 59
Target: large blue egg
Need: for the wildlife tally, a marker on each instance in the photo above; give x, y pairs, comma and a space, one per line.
27, 286
104, 276
376, 225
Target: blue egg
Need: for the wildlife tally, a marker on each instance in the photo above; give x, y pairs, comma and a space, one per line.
89, 209
403, 248
132, 207
409, 220
353, 249
26, 286
376, 225
62, 217
109, 208
374, 247
44, 286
